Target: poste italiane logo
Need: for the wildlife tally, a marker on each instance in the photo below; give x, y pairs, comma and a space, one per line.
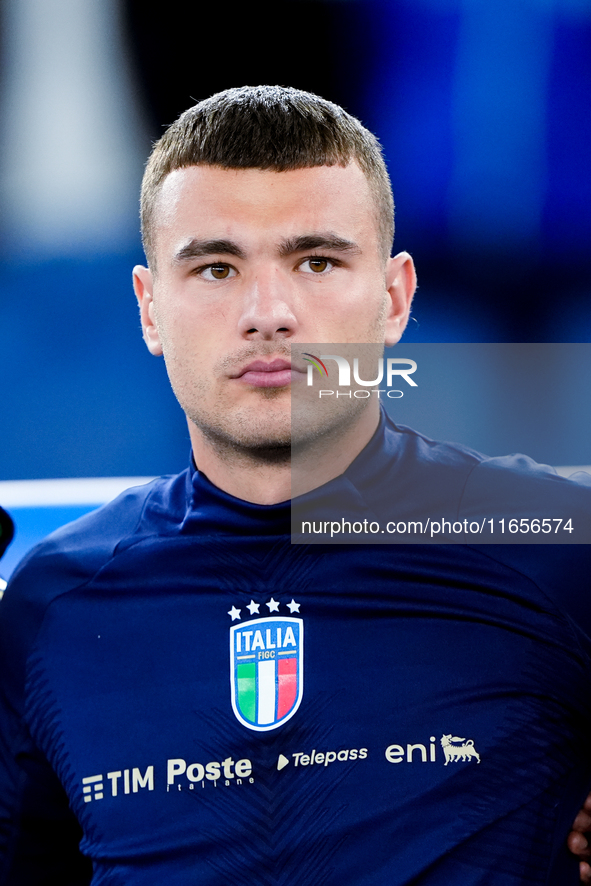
266, 666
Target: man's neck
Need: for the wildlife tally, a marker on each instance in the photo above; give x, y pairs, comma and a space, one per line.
269, 482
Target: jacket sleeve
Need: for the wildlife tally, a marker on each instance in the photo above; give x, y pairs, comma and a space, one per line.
39, 835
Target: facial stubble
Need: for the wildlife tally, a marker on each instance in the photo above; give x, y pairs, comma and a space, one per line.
255, 433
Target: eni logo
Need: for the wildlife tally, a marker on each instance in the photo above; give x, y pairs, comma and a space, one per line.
455, 752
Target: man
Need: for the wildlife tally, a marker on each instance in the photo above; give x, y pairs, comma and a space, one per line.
199, 700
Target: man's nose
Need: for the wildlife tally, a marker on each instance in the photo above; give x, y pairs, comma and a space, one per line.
267, 314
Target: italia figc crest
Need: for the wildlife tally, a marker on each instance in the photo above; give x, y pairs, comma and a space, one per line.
266, 667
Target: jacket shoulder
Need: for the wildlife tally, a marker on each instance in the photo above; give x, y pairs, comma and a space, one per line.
73, 554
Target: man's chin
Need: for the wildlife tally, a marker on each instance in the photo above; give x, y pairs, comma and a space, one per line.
269, 452
257, 435
254, 449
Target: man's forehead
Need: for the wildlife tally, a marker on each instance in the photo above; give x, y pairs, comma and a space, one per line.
211, 179
321, 197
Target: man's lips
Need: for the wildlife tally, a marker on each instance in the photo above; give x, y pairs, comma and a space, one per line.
261, 374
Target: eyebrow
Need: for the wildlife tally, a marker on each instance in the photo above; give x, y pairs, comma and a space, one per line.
198, 248
318, 241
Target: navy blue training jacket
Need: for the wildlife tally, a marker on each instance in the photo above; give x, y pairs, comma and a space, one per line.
189, 698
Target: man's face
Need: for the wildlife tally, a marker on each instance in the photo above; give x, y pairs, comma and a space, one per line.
248, 263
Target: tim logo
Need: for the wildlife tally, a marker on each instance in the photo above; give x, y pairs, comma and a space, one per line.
454, 752
266, 670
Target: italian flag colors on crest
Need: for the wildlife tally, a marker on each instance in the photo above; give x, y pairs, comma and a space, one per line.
266, 670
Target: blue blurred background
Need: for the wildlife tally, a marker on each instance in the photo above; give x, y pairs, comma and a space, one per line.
483, 110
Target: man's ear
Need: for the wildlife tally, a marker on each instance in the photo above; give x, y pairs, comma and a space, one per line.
143, 285
401, 282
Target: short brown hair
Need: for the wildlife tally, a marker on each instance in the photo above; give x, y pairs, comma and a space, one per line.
267, 127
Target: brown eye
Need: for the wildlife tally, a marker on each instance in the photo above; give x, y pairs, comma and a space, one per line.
220, 272
217, 272
316, 265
